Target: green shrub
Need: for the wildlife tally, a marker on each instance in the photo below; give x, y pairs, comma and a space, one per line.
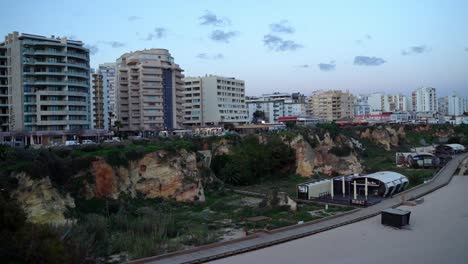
116, 158
342, 151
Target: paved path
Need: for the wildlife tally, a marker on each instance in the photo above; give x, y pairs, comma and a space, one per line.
262, 240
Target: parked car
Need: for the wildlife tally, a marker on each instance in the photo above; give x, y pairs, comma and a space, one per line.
72, 143
87, 142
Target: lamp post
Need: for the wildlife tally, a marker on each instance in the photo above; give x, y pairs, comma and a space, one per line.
343, 187
355, 190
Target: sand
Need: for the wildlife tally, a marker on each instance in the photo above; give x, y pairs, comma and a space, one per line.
438, 233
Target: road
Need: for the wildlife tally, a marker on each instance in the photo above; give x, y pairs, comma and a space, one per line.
262, 240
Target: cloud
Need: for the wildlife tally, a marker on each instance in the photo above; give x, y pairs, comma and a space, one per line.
205, 56
303, 66
93, 49
133, 18
114, 44
369, 37
368, 61
327, 66
282, 27
222, 36
210, 19
159, 32
415, 50
278, 44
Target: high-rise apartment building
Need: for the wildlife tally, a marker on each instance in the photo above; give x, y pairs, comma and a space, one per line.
214, 100
4, 93
100, 115
361, 105
277, 105
442, 105
424, 99
149, 91
456, 105
108, 74
332, 105
44, 88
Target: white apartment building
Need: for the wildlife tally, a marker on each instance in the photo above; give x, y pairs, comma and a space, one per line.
361, 105
380, 102
456, 105
276, 105
424, 99
213, 100
375, 101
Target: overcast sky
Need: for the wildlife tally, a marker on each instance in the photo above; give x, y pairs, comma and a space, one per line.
284, 46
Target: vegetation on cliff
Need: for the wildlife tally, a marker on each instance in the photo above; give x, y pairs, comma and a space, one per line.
254, 160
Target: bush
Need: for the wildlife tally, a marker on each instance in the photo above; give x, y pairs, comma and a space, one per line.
252, 162
342, 151
116, 158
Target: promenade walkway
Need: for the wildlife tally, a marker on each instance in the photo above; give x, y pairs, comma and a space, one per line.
266, 239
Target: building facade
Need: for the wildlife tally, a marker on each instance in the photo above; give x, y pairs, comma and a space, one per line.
361, 105
277, 105
456, 105
44, 88
100, 114
442, 105
149, 91
108, 73
424, 99
332, 105
214, 100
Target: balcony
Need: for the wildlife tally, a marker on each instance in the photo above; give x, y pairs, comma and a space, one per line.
78, 65
43, 43
61, 122
77, 55
49, 52
78, 74
45, 73
81, 84
61, 83
55, 63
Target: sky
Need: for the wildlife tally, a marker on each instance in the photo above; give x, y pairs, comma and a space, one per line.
275, 46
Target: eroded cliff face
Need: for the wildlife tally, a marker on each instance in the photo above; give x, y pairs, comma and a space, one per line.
384, 135
156, 175
320, 160
41, 201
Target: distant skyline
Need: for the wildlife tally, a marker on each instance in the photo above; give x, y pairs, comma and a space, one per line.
301, 46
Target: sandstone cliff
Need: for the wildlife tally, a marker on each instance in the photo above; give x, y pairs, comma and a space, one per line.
320, 160
41, 202
384, 135
155, 175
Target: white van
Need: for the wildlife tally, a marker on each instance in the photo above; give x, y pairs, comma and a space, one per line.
71, 143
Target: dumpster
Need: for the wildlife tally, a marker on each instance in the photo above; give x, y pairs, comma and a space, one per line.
395, 217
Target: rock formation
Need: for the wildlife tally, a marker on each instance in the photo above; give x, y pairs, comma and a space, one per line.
275, 199
320, 160
41, 202
155, 175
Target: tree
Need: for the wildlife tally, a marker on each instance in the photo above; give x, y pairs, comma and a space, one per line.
229, 126
118, 125
258, 116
